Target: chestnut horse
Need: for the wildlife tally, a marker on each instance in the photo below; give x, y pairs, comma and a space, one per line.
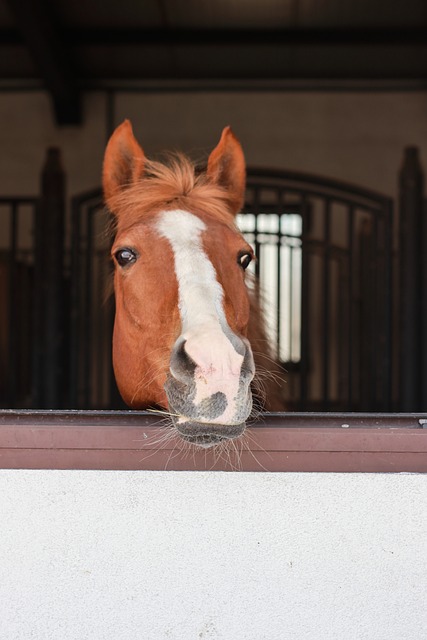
183, 307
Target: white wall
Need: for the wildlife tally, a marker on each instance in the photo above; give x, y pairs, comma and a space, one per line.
88, 555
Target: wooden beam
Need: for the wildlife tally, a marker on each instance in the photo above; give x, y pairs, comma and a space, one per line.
312, 442
351, 37
39, 30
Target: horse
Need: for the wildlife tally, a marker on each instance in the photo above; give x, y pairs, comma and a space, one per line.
181, 337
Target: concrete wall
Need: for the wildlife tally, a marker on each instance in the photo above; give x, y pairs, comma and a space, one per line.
232, 556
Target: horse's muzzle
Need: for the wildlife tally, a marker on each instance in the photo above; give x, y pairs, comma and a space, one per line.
208, 435
210, 401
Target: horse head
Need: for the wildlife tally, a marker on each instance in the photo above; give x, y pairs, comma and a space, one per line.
182, 304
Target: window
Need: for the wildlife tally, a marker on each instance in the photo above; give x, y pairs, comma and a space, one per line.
276, 240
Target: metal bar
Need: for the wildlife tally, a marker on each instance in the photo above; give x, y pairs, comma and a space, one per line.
389, 360
13, 304
342, 318
367, 269
18, 201
73, 397
339, 198
307, 182
350, 242
279, 267
78, 257
110, 109
326, 301
34, 329
51, 255
100, 333
257, 245
87, 314
411, 189
290, 301
305, 305
377, 309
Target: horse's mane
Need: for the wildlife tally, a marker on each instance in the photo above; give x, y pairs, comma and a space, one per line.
173, 183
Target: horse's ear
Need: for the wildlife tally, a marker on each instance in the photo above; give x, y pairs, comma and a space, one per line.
226, 167
123, 161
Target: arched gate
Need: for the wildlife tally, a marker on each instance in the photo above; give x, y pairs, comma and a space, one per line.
325, 267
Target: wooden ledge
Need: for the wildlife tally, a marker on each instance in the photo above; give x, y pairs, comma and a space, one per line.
330, 442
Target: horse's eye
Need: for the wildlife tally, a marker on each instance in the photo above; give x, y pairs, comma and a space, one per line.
244, 259
125, 256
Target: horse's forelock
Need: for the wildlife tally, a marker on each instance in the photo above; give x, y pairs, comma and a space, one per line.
174, 183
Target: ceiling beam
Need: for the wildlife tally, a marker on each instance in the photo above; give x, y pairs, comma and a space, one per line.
208, 37
250, 37
41, 35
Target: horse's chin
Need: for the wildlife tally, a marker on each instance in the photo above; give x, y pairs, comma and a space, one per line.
207, 435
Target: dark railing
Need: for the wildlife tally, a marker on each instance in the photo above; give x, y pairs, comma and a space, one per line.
334, 265
52, 287
17, 301
92, 305
348, 330
34, 336
412, 285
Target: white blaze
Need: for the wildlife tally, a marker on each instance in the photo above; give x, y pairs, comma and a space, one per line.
204, 324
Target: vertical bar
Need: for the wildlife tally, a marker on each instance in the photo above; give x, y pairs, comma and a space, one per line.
38, 334
376, 259
388, 361
291, 300
35, 302
100, 334
350, 253
51, 255
100, 310
257, 245
411, 187
368, 266
342, 319
279, 267
326, 300
423, 298
13, 310
87, 315
110, 113
74, 305
305, 306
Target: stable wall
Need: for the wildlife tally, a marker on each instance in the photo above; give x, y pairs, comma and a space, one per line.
349, 135
189, 555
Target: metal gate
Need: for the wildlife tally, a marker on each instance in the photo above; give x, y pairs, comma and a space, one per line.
324, 251
17, 301
324, 266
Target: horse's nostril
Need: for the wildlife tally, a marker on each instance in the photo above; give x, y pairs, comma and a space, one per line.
181, 365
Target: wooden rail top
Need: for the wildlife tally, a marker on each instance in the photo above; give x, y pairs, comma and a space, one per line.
331, 442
